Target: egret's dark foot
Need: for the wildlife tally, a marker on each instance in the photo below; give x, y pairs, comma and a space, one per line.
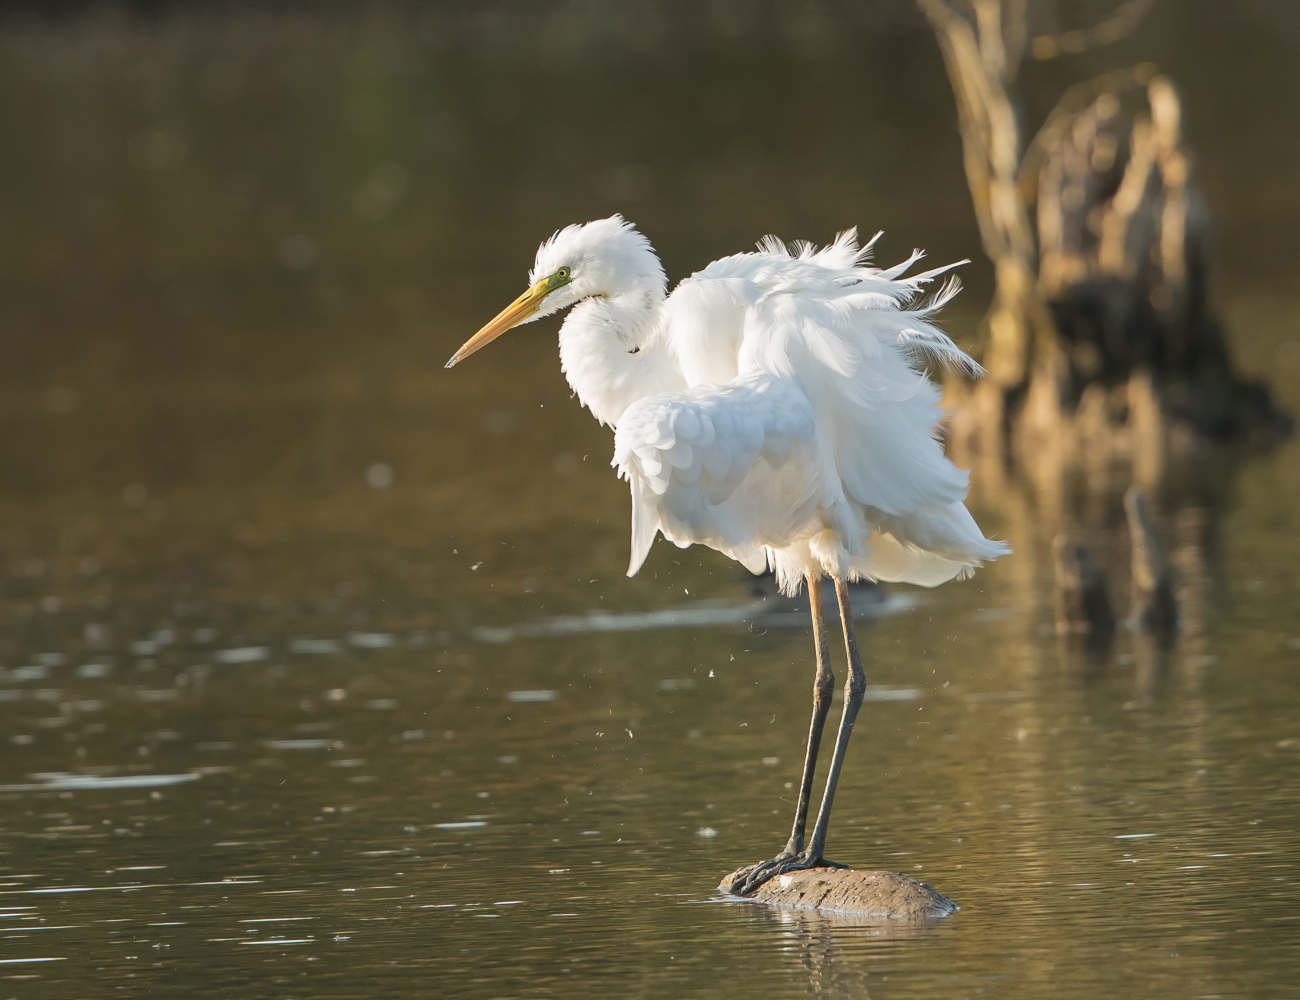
747, 880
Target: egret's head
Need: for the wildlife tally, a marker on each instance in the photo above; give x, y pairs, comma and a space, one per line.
605, 257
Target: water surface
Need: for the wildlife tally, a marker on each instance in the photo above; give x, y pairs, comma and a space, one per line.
321, 674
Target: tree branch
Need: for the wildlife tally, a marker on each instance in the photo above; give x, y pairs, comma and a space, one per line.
1073, 102
1015, 32
1119, 25
942, 16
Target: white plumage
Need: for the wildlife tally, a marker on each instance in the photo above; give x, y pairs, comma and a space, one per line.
774, 407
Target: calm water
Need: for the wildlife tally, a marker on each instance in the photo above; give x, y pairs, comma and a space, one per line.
321, 674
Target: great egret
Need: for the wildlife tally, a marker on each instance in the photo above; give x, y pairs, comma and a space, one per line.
774, 407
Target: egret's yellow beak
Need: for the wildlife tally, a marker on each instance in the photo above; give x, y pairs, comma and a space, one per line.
512, 315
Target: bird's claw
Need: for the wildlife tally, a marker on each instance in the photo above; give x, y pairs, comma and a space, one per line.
747, 880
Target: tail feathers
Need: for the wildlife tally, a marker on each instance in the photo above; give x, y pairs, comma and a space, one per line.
927, 547
885, 558
645, 521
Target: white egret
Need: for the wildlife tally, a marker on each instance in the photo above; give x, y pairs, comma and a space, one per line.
774, 407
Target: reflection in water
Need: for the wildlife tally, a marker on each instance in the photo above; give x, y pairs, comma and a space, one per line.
771, 611
840, 955
63, 782
250, 740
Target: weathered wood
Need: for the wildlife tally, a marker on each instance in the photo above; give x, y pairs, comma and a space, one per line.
1100, 287
874, 894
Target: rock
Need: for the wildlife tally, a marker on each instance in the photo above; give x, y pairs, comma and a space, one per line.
844, 890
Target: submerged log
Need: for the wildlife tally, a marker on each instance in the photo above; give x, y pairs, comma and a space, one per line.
873, 894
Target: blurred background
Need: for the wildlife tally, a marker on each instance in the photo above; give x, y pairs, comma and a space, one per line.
300, 630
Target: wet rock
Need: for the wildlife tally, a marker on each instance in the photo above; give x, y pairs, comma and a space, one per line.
860, 893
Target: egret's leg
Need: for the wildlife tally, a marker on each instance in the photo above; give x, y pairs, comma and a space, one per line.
794, 856
823, 695
855, 688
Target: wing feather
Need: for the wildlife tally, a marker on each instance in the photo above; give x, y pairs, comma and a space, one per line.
810, 417
736, 475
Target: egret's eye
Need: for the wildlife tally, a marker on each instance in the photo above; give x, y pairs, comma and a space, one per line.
562, 272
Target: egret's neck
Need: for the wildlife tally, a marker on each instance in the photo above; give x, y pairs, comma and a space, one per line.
613, 353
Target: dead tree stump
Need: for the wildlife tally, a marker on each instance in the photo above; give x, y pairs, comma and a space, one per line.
1100, 340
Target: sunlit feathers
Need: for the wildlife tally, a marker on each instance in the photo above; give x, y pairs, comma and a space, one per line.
774, 407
